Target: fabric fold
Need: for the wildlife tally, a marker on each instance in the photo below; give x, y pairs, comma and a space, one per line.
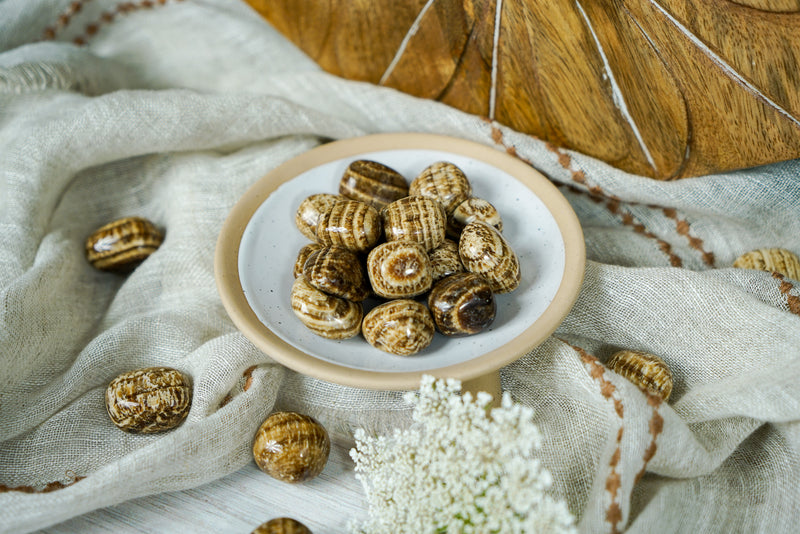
173, 111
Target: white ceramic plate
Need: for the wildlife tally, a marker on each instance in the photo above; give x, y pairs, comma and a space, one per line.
259, 243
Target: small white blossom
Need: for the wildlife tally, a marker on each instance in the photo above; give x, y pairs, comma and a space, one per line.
458, 469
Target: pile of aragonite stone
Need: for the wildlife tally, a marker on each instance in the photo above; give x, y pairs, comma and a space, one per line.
430, 252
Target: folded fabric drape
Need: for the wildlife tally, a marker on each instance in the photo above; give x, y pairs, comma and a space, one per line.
170, 110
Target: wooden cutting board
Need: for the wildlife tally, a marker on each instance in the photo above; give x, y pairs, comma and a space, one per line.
662, 88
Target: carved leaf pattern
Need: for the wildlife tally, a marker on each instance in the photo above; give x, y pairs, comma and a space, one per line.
661, 88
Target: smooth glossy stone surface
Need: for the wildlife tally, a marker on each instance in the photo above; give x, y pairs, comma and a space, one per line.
415, 218
291, 447
444, 182
338, 272
647, 371
445, 260
399, 269
350, 224
403, 327
325, 315
149, 400
302, 256
462, 304
484, 251
282, 525
310, 210
122, 245
471, 210
372, 183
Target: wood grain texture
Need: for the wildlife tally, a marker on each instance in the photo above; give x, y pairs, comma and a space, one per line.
661, 88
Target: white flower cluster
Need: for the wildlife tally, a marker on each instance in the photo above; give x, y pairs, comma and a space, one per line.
458, 469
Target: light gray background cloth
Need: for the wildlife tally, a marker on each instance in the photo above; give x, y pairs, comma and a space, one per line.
171, 111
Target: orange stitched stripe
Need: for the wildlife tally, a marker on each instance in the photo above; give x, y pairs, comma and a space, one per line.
52, 486
578, 176
599, 195
225, 400
656, 426
785, 286
613, 204
63, 19
248, 377
683, 228
497, 137
607, 389
107, 17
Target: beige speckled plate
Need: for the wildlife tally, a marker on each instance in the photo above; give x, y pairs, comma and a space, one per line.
258, 244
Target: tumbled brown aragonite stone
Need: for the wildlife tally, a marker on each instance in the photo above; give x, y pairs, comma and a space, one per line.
649, 372
350, 224
325, 315
149, 400
372, 183
462, 304
291, 447
444, 182
403, 327
338, 272
484, 251
445, 260
399, 269
777, 260
282, 525
302, 256
310, 210
122, 245
415, 218
471, 210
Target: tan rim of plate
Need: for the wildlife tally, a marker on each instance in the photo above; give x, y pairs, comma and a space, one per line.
226, 264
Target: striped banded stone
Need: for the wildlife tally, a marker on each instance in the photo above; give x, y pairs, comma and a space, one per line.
372, 183
350, 224
415, 218
122, 245
403, 327
325, 315
291, 447
484, 251
444, 182
149, 400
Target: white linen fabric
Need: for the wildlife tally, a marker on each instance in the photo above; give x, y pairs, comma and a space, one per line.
170, 110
